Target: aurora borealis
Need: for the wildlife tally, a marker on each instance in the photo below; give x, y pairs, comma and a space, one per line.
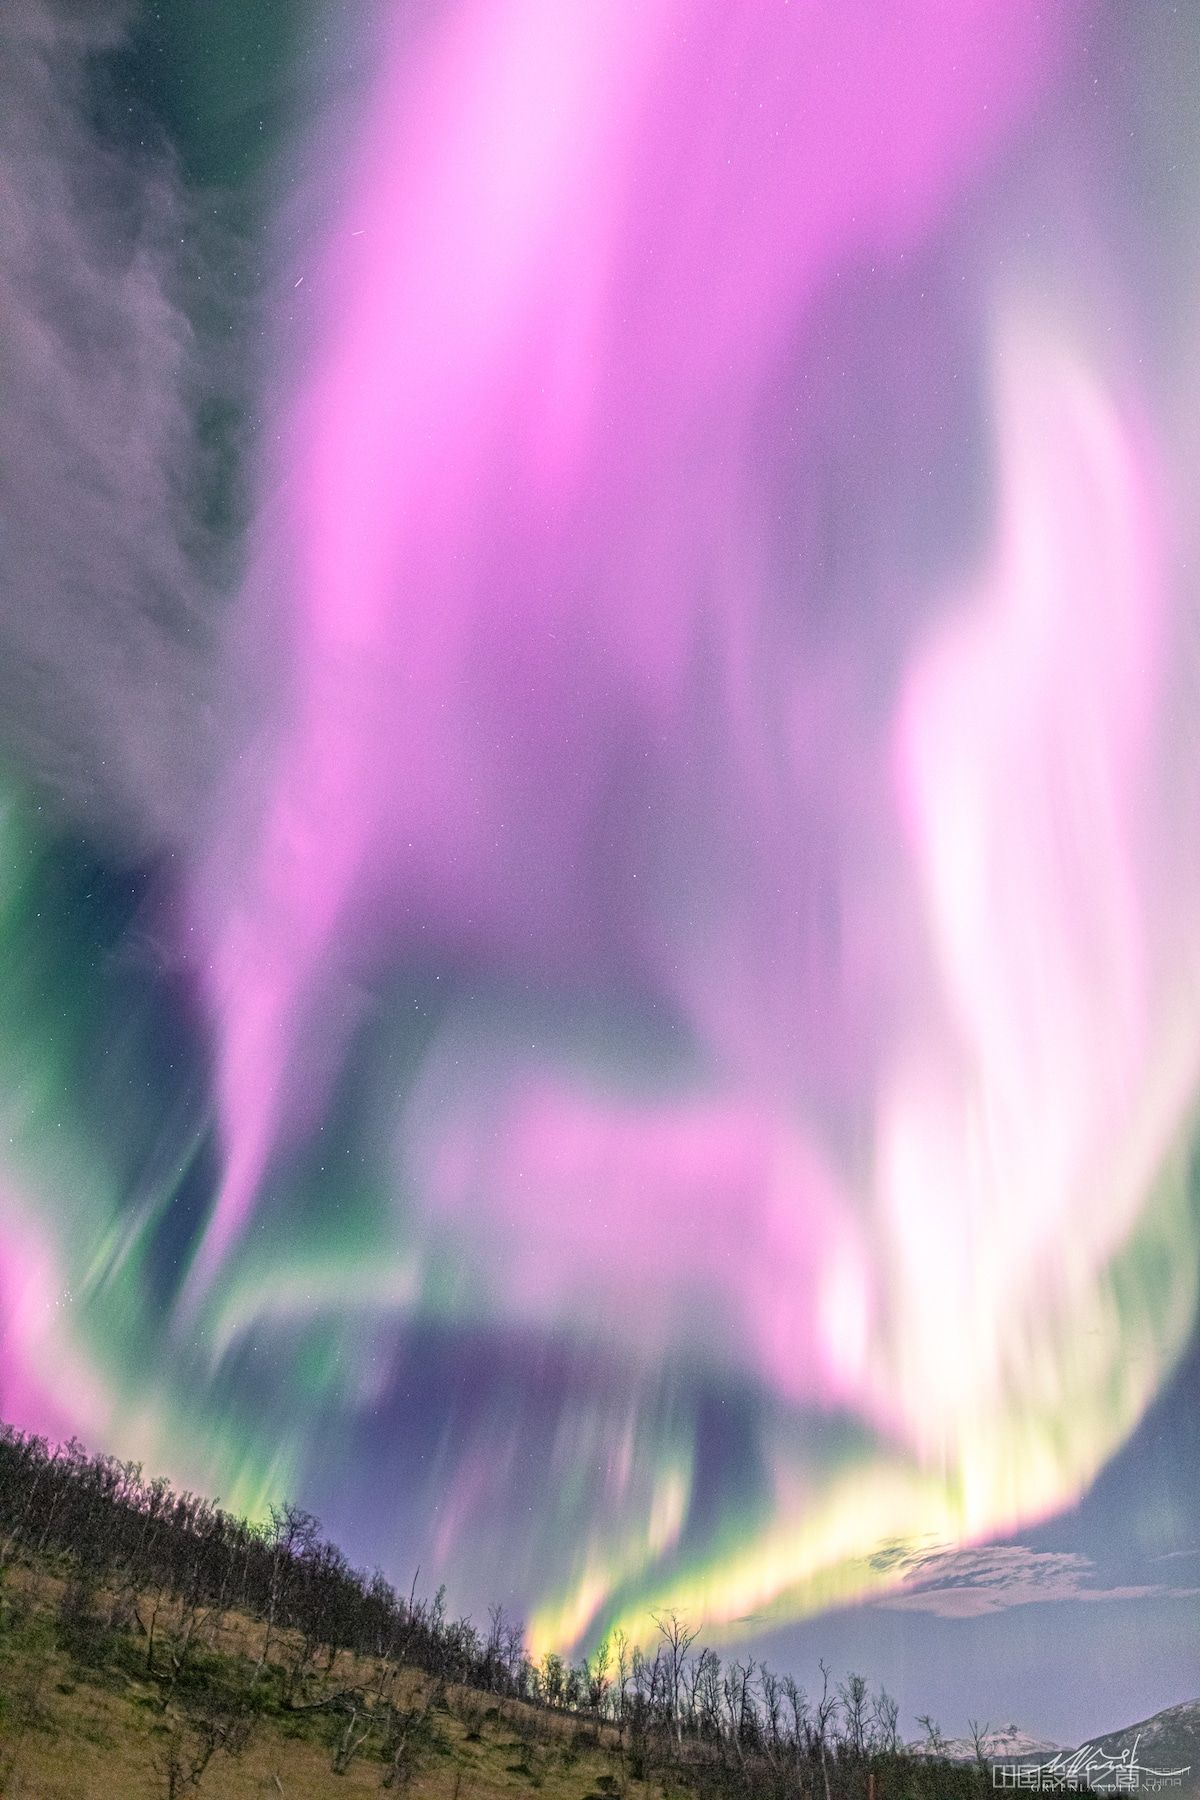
599, 904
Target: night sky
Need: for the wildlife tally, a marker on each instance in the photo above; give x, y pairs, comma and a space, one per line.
599, 756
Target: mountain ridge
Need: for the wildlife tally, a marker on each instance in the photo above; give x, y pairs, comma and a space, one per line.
1168, 1740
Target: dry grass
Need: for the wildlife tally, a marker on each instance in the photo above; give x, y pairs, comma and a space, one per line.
71, 1732
97, 1747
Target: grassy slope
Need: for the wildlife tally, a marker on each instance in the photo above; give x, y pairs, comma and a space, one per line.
94, 1727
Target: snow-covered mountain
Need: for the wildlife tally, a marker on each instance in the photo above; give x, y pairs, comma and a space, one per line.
1170, 1740
1005, 1744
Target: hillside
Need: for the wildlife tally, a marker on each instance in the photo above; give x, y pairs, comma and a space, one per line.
1169, 1740
85, 1714
106, 1695
153, 1646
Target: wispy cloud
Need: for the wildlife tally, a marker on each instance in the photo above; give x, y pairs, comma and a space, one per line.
106, 618
968, 1584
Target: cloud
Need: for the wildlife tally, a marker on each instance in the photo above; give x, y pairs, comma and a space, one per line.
968, 1584
105, 611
